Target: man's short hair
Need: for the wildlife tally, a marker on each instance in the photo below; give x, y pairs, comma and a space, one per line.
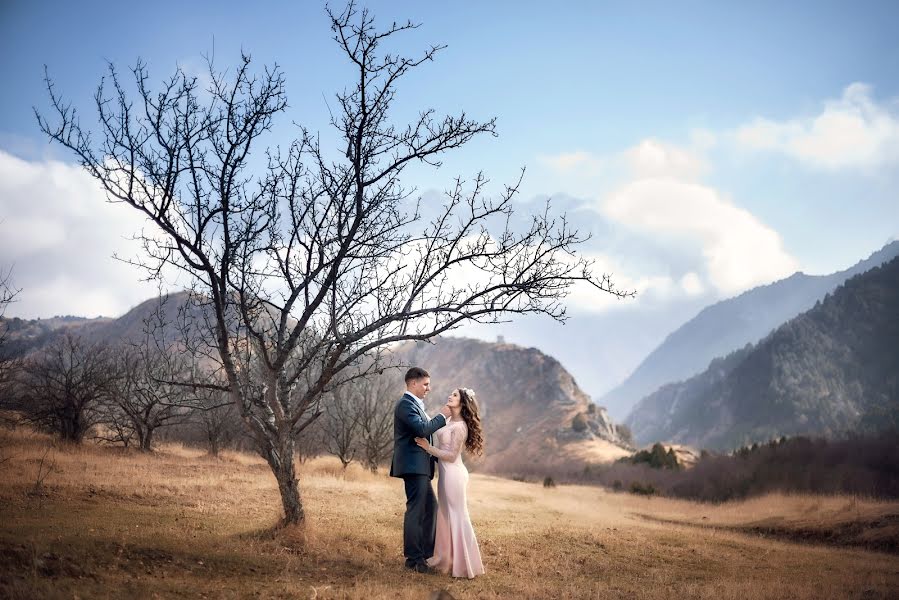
416, 373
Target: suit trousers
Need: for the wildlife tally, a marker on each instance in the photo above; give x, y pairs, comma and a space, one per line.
420, 521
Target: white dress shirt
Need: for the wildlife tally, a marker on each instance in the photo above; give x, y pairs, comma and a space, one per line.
421, 403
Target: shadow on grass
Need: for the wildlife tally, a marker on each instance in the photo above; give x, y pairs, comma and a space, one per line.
880, 534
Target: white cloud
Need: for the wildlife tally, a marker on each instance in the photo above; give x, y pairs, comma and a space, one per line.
739, 250
653, 158
576, 173
571, 161
586, 297
711, 245
852, 132
58, 234
691, 284
30, 233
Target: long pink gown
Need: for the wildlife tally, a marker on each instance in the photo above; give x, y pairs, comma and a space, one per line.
455, 546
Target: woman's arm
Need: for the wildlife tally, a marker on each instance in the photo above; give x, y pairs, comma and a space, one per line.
458, 436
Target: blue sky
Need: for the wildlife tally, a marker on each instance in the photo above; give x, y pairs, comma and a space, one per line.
707, 146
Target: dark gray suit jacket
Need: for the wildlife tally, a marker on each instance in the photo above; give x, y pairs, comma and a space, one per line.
410, 422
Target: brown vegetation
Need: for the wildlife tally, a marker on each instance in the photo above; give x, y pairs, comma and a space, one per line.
112, 522
866, 466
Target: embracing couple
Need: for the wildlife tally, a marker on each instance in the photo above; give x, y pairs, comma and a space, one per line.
436, 537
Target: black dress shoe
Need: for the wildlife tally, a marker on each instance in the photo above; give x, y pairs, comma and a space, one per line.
411, 564
424, 568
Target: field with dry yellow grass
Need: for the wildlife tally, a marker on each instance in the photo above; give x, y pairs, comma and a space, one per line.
95, 522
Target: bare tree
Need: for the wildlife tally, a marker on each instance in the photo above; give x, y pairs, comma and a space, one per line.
115, 425
8, 294
148, 393
340, 424
217, 418
64, 385
375, 399
144, 397
311, 443
316, 260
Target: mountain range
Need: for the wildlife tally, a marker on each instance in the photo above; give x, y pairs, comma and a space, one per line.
529, 401
716, 382
728, 325
831, 370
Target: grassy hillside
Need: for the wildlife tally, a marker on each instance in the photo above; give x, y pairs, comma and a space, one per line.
178, 524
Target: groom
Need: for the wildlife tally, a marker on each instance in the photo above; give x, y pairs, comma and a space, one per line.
416, 468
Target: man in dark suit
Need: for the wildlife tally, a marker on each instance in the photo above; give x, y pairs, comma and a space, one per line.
416, 468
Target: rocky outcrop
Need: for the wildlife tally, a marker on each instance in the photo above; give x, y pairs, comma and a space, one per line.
529, 402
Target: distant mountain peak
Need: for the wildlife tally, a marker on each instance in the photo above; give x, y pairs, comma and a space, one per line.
728, 325
828, 371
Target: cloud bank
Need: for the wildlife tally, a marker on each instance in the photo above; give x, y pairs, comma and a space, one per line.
851, 132
58, 234
740, 251
707, 242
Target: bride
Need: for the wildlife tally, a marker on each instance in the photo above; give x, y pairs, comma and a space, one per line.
455, 545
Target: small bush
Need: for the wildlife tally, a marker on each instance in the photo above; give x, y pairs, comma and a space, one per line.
617, 485
548, 482
646, 489
657, 458
591, 409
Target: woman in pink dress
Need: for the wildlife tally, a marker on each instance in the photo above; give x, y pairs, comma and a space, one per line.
455, 546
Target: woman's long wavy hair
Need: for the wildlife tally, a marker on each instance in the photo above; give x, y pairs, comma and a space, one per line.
472, 416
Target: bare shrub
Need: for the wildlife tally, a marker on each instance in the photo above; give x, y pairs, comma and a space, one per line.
340, 424
63, 386
143, 398
46, 466
8, 294
376, 400
625, 433
218, 419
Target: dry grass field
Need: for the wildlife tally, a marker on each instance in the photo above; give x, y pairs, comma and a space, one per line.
110, 524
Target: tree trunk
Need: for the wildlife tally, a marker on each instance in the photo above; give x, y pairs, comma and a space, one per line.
280, 458
146, 439
213, 444
71, 427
